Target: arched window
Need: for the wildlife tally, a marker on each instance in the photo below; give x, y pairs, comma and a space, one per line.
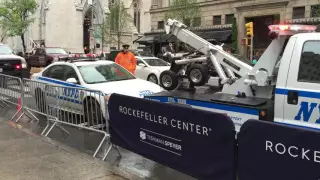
137, 13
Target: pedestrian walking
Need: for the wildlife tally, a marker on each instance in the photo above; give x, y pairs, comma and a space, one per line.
126, 59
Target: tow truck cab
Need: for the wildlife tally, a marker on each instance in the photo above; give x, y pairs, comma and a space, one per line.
296, 95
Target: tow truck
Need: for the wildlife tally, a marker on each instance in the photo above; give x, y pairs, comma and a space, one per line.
282, 87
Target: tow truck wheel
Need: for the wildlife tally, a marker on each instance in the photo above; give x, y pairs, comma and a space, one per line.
169, 80
198, 74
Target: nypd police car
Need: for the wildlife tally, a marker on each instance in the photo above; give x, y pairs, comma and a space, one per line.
74, 80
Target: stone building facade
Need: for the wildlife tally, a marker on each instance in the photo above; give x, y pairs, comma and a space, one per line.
60, 23
218, 13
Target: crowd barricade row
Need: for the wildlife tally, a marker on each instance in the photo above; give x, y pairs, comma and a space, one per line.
199, 143
59, 105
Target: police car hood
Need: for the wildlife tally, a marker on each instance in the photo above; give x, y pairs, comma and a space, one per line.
132, 87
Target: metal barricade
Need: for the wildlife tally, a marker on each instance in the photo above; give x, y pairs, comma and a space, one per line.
77, 107
11, 92
33, 98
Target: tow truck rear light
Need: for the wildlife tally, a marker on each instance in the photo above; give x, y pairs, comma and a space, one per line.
292, 27
263, 115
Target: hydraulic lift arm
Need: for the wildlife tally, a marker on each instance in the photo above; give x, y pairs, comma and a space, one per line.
219, 58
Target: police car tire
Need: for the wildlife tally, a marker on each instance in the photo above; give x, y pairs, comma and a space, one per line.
91, 105
204, 73
174, 78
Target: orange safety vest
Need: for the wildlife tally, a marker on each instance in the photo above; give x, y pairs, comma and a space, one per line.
127, 60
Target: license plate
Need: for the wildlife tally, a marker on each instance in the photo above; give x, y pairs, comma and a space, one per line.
1, 70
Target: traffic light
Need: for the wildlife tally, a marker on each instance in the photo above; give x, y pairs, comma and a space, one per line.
249, 28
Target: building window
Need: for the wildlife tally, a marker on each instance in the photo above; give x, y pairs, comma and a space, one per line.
160, 24
196, 21
229, 18
298, 13
315, 11
156, 4
216, 20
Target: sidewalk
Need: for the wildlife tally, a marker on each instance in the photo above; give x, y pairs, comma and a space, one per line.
27, 157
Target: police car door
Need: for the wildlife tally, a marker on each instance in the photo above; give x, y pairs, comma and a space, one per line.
54, 77
71, 92
140, 69
301, 106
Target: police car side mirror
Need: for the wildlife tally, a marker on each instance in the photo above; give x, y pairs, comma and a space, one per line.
72, 80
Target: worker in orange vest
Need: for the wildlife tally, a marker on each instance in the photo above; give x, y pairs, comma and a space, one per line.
126, 59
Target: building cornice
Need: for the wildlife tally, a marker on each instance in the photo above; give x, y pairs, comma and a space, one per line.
201, 4
254, 5
303, 21
201, 28
262, 5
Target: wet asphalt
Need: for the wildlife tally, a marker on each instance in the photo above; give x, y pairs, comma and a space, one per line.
87, 141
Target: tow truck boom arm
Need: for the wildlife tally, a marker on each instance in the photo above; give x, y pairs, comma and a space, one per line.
227, 60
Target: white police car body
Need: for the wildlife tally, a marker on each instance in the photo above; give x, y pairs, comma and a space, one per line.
71, 82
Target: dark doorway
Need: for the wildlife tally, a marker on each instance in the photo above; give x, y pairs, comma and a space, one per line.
261, 39
87, 25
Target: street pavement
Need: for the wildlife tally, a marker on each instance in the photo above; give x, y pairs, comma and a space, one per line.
87, 141
27, 157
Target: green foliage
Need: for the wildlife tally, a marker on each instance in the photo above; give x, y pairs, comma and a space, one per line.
234, 36
187, 11
117, 24
16, 15
277, 19
315, 11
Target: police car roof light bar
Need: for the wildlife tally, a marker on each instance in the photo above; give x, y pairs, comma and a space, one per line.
83, 60
293, 27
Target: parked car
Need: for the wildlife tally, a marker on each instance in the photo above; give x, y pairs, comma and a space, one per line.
150, 68
105, 76
113, 54
11, 64
45, 56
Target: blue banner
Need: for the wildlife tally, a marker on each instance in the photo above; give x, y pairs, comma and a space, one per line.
272, 151
196, 142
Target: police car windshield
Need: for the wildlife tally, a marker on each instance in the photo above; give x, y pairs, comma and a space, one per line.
101, 73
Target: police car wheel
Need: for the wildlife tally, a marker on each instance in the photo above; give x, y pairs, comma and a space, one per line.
152, 78
92, 112
198, 74
40, 100
169, 80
